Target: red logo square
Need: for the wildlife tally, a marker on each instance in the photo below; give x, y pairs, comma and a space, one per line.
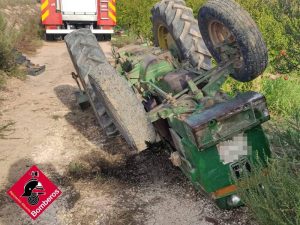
34, 192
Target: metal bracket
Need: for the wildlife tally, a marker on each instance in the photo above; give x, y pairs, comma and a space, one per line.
81, 96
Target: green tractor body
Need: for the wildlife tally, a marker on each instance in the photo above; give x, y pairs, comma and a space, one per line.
200, 127
172, 93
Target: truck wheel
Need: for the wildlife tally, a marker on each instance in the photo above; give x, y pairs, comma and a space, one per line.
175, 28
88, 58
103, 37
99, 37
221, 20
107, 37
49, 37
122, 106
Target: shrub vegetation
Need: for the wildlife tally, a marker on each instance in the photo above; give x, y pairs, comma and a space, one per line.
277, 199
19, 34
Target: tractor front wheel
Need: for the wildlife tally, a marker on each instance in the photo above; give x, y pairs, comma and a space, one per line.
223, 22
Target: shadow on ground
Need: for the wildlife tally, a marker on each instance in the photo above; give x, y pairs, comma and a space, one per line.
86, 123
149, 166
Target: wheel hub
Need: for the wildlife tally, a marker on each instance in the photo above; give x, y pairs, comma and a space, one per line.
166, 41
219, 33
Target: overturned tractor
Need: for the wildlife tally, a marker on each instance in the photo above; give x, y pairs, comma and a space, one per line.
172, 92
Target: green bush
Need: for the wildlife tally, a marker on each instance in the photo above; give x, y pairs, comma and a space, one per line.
8, 66
283, 94
287, 138
120, 41
135, 16
29, 37
6, 45
287, 13
23, 34
277, 199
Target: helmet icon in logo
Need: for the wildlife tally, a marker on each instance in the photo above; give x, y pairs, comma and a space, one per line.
32, 189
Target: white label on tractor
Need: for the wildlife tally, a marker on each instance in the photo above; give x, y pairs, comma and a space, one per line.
232, 150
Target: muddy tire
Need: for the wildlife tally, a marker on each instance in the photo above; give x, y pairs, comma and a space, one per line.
243, 30
127, 115
122, 106
174, 18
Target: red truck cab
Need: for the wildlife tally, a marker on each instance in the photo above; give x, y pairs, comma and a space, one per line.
61, 17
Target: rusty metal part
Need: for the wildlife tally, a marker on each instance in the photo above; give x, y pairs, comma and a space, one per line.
219, 33
162, 128
226, 119
77, 80
178, 80
224, 110
209, 76
221, 37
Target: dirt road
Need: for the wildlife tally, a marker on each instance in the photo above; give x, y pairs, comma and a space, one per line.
99, 186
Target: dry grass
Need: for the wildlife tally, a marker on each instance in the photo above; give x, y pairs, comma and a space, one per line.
5, 3
6, 129
21, 30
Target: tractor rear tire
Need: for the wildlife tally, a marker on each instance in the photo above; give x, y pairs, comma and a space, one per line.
122, 105
219, 15
99, 79
178, 20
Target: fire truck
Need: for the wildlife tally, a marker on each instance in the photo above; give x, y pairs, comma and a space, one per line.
61, 17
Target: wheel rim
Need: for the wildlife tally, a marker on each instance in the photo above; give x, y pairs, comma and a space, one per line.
219, 33
166, 41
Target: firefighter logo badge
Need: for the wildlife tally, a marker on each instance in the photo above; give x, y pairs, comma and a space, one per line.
34, 192
33, 188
